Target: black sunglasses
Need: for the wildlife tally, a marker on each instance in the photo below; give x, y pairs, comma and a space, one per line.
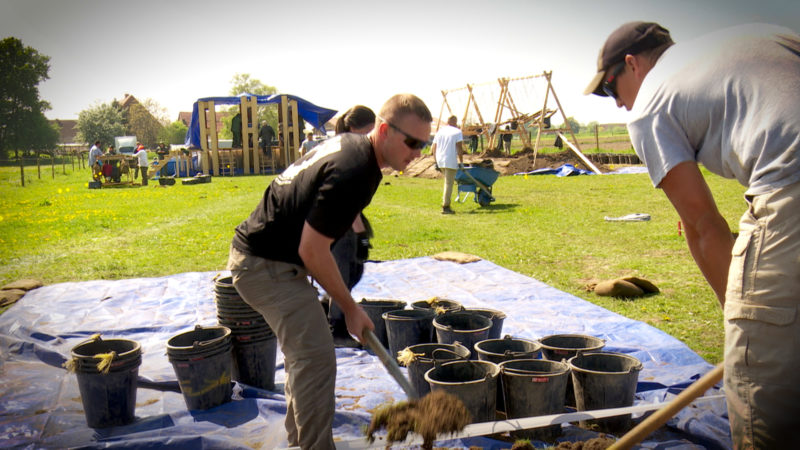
610, 84
412, 142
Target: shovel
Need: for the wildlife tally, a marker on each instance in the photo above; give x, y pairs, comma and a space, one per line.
391, 365
660, 417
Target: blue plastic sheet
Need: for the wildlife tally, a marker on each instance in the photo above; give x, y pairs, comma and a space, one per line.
40, 405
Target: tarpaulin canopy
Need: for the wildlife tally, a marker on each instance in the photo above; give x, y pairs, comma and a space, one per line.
311, 113
40, 404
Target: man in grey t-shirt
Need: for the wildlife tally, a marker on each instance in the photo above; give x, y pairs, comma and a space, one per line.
728, 100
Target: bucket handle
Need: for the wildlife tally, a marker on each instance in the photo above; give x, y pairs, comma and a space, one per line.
440, 350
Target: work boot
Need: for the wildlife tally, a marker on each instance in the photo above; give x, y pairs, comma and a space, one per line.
447, 210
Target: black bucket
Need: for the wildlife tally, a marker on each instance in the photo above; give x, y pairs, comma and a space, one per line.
438, 305
407, 327
203, 363
605, 380
497, 318
465, 327
473, 382
375, 309
109, 398
427, 356
561, 347
534, 387
254, 362
506, 349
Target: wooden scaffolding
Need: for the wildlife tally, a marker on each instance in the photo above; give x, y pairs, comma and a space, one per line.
519, 122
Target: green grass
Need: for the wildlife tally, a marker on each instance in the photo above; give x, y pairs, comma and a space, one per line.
550, 228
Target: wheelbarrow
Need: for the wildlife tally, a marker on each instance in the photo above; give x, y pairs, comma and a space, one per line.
476, 179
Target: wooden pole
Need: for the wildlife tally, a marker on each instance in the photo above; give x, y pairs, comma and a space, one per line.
660, 417
53, 164
39, 166
63, 165
22, 171
541, 120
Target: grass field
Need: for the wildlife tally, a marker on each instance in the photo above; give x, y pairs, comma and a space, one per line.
550, 228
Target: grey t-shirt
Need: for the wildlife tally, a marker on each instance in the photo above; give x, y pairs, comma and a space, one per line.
729, 100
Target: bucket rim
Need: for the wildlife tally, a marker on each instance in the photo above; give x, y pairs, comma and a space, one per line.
563, 367
381, 301
570, 335
440, 346
200, 345
634, 368
450, 329
495, 372
408, 314
132, 353
495, 312
536, 345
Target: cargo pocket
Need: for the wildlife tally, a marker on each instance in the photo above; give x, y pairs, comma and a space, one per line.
739, 281
759, 340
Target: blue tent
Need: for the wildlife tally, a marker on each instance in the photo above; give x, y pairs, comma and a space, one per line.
311, 113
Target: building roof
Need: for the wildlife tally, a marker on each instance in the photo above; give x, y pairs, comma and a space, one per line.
68, 132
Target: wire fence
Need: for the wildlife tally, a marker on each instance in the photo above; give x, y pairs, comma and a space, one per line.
59, 161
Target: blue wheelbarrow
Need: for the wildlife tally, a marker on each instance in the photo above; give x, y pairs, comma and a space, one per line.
476, 179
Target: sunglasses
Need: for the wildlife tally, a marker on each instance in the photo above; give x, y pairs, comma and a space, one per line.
610, 84
412, 142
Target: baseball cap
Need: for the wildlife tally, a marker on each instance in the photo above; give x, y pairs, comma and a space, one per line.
629, 39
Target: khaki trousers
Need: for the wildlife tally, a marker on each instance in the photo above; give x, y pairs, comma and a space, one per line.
449, 178
282, 294
762, 331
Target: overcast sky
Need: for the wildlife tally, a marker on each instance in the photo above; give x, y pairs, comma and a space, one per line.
337, 54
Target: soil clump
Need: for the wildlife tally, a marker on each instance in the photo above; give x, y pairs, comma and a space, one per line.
436, 413
598, 443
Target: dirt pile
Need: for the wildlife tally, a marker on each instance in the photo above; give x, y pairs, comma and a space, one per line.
435, 413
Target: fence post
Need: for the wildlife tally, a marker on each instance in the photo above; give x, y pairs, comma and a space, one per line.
39, 165
53, 164
63, 164
22, 171
596, 137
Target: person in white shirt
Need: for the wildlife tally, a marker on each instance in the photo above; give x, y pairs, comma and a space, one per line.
448, 151
141, 154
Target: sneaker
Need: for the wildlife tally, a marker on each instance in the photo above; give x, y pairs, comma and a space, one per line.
447, 210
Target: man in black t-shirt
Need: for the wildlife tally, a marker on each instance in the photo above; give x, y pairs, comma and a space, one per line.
289, 236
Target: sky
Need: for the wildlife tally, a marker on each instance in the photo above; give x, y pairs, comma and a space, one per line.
338, 54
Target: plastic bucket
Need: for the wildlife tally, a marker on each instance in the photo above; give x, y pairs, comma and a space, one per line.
561, 347
437, 305
506, 349
473, 382
375, 309
429, 355
203, 363
465, 327
254, 363
605, 380
407, 327
108, 399
497, 318
534, 387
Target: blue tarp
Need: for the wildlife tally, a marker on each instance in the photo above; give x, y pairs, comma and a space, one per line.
565, 170
311, 113
40, 405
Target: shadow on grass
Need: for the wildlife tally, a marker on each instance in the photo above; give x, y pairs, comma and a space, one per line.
494, 207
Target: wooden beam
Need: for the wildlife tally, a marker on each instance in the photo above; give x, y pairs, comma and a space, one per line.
580, 154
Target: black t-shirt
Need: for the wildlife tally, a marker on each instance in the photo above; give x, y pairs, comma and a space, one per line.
327, 187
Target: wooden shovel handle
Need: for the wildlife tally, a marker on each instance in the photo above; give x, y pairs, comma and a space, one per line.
660, 417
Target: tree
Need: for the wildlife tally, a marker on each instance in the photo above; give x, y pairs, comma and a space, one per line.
143, 125
100, 123
576, 126
174, 133
21, 109
243, 84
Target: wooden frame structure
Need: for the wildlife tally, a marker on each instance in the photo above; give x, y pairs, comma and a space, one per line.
253, 161
520, 119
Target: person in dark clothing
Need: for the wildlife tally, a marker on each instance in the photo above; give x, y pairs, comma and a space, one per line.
289, 236
265, 135
236, 130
